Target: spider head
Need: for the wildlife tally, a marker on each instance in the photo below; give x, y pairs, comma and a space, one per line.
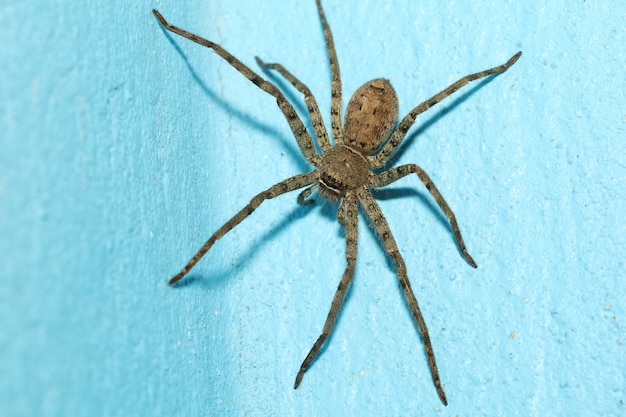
342, 169
330, 194
370, 116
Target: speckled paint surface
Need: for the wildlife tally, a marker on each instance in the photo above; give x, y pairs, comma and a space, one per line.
122, 149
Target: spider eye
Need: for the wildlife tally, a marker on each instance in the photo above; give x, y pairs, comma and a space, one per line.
370, 116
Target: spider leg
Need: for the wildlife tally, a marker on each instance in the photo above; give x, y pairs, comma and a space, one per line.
309, 99
335, 100
394, 174
375, 215
297, 127
348, 217
290, 184
405, 124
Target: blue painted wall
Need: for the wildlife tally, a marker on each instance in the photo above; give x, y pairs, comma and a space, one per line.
123, 149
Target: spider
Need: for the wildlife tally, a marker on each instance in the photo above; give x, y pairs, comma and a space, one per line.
347, 169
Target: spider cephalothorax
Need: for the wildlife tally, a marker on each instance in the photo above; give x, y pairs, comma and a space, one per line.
344, 172
342, 169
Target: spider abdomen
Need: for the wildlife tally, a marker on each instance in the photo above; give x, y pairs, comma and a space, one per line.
370, 116
342, 169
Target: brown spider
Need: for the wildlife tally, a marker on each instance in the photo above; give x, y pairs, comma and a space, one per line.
347, 170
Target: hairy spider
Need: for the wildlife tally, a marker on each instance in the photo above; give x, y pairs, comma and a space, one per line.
346, 170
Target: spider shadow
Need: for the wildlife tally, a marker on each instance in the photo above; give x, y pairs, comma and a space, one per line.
194, 279
328, 210
405, 192
383, 194
440, 114
249, 255
425, 199
287, 90
266, 129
